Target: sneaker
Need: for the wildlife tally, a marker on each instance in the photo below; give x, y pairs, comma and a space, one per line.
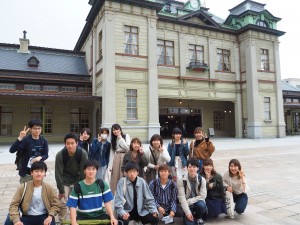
200, 222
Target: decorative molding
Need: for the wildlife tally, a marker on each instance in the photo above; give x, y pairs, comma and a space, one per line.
130, 55
131, 68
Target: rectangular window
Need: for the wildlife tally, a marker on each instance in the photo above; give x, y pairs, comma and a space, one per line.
86, 90
100, 56
7, 87
223, 57
267, 108
131, 40
131, 95
31, 87
196, 54
79, 119
68, 89
219, 120
6, 120
50, 88
45, 115
264, 59
165, 52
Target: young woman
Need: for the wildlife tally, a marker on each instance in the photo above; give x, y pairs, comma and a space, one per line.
119, 147
85, 138
215, 191
136, 155
156, 156
178, 150
234, 181
100, 151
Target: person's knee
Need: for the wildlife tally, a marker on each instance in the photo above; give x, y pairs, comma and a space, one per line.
240, 208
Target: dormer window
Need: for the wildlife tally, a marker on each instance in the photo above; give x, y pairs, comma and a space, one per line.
262, 23
33, 62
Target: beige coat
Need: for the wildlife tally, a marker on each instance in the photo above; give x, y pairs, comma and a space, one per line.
49, 197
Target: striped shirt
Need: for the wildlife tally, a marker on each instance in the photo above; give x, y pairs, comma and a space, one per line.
165, 197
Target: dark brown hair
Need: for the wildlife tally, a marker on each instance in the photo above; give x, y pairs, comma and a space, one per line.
164, 167
207, 162
104, 129
134, 140
156, 137
198, 130
236, 163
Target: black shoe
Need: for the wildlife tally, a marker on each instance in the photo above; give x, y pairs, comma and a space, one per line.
200, 222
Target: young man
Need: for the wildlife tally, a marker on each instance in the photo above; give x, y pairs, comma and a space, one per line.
39, 204
165, 193
31, 148
201, 148
89, 202
68, 170
192, 194
139, 203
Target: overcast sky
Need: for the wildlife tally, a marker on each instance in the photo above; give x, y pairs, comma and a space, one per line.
58, 24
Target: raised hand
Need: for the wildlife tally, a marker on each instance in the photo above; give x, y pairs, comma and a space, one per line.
23, 133
184, 141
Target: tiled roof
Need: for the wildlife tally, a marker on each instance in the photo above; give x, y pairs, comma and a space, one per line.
50, 60
287, 87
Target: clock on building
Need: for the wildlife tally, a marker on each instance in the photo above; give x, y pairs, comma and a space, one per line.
195, 4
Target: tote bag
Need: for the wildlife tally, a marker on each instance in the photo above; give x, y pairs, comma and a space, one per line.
229, 204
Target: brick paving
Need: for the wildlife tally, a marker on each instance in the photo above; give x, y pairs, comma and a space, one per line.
271, 168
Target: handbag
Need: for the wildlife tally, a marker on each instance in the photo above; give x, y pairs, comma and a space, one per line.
229, 204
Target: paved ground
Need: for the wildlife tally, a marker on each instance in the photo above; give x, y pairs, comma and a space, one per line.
271, 167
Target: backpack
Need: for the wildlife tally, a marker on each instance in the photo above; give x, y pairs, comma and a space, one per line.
20, 154
199, 185
66, 156
78, 191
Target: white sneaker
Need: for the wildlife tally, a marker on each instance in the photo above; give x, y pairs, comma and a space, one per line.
200, 222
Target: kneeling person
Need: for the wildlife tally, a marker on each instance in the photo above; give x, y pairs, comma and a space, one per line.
89, 200
134, 200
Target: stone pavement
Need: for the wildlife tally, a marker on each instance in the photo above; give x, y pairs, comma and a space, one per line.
271, 167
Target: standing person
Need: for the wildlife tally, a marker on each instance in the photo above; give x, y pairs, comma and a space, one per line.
215, 201
165, 193
201, 148
89, 201
39, 204
192, 194
139, 203
31, 148
156, 156
85, 139
178, 150
68, 170
119, 147
100, 151
136, 155
234, 181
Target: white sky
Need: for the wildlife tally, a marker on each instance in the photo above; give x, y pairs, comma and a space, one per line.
58, 24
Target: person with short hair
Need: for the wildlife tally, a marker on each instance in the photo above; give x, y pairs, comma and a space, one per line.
85, 139
100, 152
165, 193
192, 193
68, 170
30, 148
89, 203
134, 200
39, 204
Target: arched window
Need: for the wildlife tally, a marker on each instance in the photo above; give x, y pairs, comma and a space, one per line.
33, 62
262, 23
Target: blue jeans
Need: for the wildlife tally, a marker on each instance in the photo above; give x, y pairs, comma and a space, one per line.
241, 202
197, 209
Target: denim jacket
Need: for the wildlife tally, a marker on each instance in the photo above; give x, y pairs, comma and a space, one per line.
183, 153
102, 156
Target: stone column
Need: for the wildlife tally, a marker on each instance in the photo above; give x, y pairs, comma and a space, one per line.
254, 126
182, 57
153, 112
279, 101
109, 109
211, 58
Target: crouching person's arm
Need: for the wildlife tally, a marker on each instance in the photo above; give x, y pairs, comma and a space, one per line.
109, 211
14, 206
73, 216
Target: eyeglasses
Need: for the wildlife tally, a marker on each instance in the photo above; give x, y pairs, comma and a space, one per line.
36, 128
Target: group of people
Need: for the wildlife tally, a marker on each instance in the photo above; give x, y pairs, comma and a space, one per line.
132, 182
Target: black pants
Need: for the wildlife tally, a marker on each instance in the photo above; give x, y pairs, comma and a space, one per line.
149, 218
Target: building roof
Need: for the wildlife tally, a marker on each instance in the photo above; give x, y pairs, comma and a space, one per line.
287, 87
50, 60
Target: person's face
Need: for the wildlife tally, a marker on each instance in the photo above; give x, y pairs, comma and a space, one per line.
117, 132
156, 144
208, 169
36, 130
90, 172
177, 136
104, 135
71, 145
234, 169
192, 170
38, 175
85, 136
164, 174
198, 135
136, 146
132, 174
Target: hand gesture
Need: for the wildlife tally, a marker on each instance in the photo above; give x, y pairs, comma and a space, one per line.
190, 217
241, 173
161, 210
99, 137
184, 141
23, 133
125, 216
141, 150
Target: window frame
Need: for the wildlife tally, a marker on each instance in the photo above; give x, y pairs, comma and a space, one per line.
267, 108
131, 104
4, 115
132, 47
222, 56
81, 113
264, 60
164, 48
219, 120
193, 48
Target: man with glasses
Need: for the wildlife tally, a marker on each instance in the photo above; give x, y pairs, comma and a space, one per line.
30, 148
